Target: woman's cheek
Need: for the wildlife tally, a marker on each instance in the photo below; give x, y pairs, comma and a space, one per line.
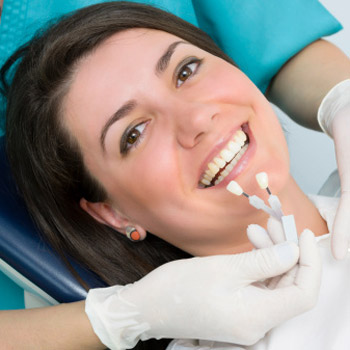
225, 83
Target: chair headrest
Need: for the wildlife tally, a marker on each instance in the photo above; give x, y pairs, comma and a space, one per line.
22, 247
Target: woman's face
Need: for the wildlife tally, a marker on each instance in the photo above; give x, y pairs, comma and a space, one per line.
150, 112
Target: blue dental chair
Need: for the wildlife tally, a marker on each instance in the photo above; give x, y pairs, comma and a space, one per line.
26, 258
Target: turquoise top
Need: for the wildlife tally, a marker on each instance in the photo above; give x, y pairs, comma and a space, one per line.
259, 35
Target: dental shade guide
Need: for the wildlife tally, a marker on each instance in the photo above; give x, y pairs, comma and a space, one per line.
289, 228
263, 182
288, 222
258, 203
254, 201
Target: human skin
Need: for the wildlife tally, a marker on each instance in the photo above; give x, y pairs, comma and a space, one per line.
63, 326
154, 187
306, 78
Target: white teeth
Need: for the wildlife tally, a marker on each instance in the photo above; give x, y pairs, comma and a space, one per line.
225, 172
234, 147
205, 182
209, 173
207, 177
238, 140
231, 165
227, 155
213, 168
219, 179
219, 162
238, 156
231, 154
242, 135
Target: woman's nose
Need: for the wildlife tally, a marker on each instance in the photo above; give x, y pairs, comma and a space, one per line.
193, 122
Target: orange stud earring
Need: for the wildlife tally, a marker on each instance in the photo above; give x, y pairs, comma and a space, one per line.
133, 234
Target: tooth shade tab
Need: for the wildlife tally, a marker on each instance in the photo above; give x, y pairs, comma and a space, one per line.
262, 180
234, 188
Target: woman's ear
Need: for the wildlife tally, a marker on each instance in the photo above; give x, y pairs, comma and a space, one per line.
107, 215
103, 213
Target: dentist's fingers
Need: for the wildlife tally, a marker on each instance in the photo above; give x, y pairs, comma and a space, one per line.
267, 262
308, 276
285, 280
275, 230
287, 301
334, 119
262, 238
341, 228
341, 129
258, 236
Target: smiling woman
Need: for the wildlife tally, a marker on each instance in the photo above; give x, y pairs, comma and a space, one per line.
183, 124
63, 55
114, 138
119, 122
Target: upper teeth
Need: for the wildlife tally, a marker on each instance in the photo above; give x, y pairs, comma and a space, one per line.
230, 154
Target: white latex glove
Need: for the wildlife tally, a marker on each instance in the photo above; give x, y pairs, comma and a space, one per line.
334, 119
274, 234
216, 298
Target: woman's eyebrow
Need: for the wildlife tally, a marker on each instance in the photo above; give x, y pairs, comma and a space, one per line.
161, 66
163, 62
119, 114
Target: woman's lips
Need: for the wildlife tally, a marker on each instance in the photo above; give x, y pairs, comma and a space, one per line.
231, 167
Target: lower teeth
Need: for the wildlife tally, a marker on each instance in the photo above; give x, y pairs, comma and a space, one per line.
230, 166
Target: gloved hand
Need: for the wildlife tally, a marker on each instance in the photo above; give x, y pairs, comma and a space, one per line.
334, 119
216, 298
274, 234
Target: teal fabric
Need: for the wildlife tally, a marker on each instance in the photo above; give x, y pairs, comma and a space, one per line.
262, 35
11, 296
259, 35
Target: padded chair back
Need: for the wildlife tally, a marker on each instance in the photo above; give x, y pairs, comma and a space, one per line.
24, 256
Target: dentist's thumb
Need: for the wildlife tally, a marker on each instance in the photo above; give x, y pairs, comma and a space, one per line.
269, 262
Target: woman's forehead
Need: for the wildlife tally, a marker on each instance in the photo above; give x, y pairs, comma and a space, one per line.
129, 52
139, 36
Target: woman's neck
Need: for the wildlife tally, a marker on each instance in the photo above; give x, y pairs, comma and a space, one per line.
294, 201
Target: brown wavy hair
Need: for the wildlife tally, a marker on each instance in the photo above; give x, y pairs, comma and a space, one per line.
46, 161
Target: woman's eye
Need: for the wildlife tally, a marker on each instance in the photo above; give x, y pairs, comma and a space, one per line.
131, 138
186, 71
